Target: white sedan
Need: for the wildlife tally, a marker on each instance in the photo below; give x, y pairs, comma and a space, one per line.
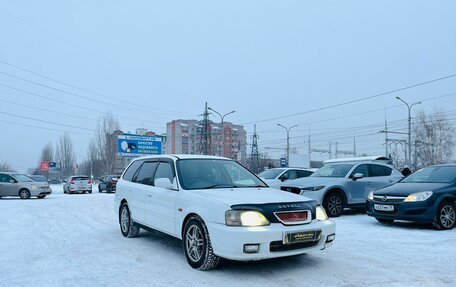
274, 177
219, 209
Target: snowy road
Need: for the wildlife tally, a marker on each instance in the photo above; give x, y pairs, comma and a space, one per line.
74, 240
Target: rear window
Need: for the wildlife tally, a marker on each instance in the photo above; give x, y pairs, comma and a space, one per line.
379, 170
128, 175
80, 178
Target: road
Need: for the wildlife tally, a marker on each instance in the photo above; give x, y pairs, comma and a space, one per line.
74, 240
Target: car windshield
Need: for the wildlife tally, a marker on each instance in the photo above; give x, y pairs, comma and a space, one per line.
22, 177
270, 173
333, 170
434, 174
215, 173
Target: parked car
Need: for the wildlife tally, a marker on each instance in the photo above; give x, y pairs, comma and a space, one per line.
275, 176
77, 184
55, 181
219, 209
39, 178
347, 184
428, 195
17, 184
108, 183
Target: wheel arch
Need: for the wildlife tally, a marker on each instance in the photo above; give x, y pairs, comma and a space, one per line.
120, 206
21, 189
338, 190
185, 220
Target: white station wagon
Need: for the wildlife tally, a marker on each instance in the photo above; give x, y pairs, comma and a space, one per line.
219, 209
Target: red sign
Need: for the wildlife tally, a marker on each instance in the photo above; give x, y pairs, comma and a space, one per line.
44, 166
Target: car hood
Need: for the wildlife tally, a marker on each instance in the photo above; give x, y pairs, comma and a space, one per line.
235, 196
406, 188
312, 181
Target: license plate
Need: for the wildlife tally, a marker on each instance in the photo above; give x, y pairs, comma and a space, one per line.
302, 236
384, 207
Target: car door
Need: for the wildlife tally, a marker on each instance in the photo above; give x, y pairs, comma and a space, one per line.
141, 185
381, 176
356, 189
6, 186
161, 202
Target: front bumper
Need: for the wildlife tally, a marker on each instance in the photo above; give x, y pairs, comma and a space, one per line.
40, 191
423, 211
228, 241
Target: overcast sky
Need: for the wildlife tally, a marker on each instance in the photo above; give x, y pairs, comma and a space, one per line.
149, 62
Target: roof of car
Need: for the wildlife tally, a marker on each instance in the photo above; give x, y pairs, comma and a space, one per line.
183, 156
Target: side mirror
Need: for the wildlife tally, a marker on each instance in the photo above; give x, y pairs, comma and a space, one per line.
163, 183
12, 181
357, 176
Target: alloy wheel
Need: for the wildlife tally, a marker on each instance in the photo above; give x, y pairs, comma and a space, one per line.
447, 216
335, 204
125, 220
194, 243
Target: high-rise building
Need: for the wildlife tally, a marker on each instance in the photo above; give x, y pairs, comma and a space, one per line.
184, 137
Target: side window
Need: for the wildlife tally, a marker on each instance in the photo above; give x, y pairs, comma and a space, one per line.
146, 173
164, 170
132, 170
379, 170
3, 178
291, 174
361, 169
303, 173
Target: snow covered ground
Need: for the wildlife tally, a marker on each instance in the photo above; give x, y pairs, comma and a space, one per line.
74, 240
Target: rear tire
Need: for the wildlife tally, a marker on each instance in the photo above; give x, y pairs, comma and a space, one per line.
197, 245
24, 193
334, 204
127, 225
445, 218
99, 189
385, 221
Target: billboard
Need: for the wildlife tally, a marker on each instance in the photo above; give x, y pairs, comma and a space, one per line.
44, 166
137, 145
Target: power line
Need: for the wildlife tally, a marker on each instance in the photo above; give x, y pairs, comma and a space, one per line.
72, 104
355, 101
77, 95
44, 121
38, 127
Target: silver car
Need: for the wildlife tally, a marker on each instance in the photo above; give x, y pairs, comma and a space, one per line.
17, 184
77, 184
347, 184
275, 176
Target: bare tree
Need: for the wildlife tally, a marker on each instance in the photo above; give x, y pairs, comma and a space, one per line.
4, 166
106, 142
47, 153
433, 138
65, 154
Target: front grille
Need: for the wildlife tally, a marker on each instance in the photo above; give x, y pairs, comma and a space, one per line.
277, 246
388, 198
295, 190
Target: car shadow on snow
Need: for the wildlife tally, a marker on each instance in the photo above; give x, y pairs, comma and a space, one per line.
170, 244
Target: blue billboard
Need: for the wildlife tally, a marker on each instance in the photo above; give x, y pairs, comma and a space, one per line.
137, 145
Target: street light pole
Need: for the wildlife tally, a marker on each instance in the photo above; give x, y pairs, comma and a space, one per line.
288, 141
222, 117
409, 107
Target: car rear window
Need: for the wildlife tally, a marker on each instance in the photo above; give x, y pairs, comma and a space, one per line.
80, 178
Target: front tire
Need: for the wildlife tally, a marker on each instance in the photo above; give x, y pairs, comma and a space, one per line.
41, 196
385, 221
334, 204
127, 226
197, 245
24, 194
446, 216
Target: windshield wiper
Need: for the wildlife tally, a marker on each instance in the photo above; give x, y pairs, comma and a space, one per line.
220, 185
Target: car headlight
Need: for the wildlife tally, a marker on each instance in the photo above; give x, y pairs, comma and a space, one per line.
370, 196
419, 196
35, 187
313, 188
321, 213
245, 218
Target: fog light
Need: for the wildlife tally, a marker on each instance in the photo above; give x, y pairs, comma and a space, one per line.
251, 248
330, 238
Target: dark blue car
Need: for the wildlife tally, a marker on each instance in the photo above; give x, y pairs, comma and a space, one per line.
428, 195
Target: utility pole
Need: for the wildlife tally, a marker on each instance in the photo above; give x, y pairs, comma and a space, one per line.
386, 138
223, 128
409, 107
255, 155
288, 141
310, 151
